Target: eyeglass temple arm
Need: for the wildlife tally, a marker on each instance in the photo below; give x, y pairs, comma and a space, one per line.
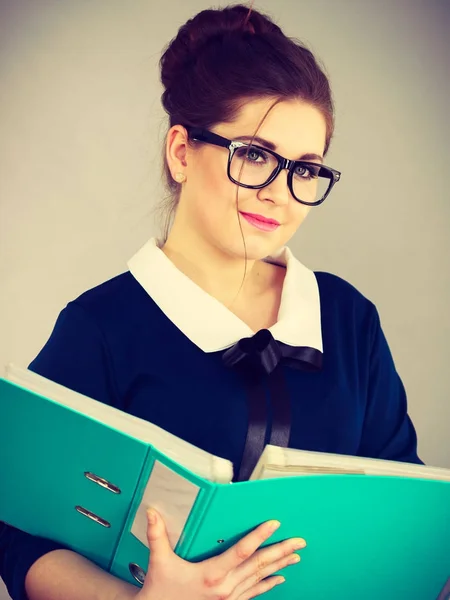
202, 135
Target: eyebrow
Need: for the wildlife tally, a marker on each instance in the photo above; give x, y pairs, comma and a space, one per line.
272, 146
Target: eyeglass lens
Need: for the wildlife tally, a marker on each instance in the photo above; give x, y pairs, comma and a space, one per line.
252, 166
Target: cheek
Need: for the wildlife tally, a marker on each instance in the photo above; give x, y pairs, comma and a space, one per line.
213, 188
213, 203
298, 214
217, 195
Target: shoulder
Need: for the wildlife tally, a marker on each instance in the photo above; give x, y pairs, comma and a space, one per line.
336, 290
116, 292
333, 290
113, 290
121, 297
346, 307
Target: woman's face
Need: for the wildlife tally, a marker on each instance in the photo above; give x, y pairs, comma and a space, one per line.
208, 201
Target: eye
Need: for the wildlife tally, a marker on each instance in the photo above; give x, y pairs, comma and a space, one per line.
252, 154
307, 172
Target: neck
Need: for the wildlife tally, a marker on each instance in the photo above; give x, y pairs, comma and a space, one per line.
219, 274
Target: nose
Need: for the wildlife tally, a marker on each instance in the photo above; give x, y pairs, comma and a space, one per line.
277, 191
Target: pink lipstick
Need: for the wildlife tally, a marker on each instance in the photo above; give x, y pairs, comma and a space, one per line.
260, 222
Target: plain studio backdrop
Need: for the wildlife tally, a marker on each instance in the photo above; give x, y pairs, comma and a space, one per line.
81, 130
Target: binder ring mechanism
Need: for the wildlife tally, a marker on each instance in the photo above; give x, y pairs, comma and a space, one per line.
104, 484
90, 515
137, 573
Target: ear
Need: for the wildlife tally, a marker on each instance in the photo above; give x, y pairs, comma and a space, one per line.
176, 149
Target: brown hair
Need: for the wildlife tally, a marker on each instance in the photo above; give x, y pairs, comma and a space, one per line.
222, 58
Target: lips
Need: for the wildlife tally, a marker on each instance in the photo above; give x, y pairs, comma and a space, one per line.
261, 218
260, 222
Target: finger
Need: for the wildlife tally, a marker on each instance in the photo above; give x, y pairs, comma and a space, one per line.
260, 565
158, 541
265, 573
233, 557
262, 587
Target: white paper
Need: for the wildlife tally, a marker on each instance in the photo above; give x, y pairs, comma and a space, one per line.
172, 496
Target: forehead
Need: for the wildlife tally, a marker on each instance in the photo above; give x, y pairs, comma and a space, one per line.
293, 126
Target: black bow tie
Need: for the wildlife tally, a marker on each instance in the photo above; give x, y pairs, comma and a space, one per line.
262, 351
258, 354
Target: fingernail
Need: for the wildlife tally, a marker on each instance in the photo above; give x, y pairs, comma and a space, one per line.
151, 516
295, 558
280, 580
299, 543
274, 525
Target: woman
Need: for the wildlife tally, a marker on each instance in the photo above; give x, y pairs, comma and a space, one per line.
217, 333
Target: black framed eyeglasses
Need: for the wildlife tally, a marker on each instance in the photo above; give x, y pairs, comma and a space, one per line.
252, 166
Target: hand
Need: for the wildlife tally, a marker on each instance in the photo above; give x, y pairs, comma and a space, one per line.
241, 572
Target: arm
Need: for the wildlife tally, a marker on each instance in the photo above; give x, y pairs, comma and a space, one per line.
243, 571
75, 356
388, 432
65, 575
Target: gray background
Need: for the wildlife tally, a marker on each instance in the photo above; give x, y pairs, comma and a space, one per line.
81, 128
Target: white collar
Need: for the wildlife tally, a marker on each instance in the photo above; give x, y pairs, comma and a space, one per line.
214, 327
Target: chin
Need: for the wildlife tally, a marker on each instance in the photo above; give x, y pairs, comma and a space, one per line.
256, 247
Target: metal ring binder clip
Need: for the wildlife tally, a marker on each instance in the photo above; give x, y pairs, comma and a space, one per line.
137, 573
90, 515
102, 482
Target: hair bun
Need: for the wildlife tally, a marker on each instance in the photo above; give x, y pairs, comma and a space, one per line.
206, 26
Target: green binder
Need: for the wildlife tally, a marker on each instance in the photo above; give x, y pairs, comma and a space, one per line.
368, 537
74, 479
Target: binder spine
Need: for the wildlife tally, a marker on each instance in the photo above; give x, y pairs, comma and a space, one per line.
144, 474
201, 506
